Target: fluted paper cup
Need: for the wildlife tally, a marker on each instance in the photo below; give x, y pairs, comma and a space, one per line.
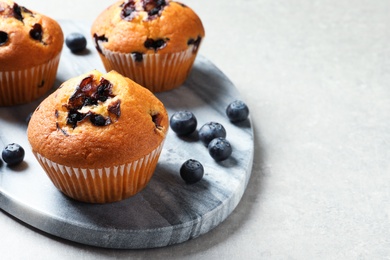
25, 85
156, 72
102, 185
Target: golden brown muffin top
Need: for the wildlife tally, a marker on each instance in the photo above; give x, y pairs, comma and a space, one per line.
27, 38
147, 26
97, 120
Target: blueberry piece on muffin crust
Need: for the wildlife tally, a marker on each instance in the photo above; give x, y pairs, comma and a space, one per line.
89, 95
97, 39
195, 42
3, 38
17, 12
137, 56
153, 7
36, 32
155, 44
128, 9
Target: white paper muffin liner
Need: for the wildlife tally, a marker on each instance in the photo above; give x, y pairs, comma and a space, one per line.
23, 86
156, 72
102, 185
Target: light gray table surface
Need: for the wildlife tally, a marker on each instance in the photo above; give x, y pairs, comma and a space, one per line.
315, 75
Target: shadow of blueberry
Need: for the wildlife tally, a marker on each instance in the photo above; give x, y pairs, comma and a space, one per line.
18, 167
84, 52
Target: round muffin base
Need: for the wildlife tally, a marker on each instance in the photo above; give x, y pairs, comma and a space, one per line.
102, 185
156, 72
26, 85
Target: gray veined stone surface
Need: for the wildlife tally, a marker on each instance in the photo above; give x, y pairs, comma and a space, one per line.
167, 211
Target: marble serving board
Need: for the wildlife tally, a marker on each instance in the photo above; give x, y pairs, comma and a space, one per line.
167, 211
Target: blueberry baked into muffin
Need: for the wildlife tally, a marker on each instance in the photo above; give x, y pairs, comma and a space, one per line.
153, 42
30, 48
99, 136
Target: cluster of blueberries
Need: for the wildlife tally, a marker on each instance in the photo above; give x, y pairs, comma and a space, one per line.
12, 154
184, 123
211, 134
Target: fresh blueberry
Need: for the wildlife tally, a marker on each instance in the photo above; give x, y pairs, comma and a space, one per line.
183, 122
76, 42
220, 149
211, 130
191, 171
13, 154
237, 111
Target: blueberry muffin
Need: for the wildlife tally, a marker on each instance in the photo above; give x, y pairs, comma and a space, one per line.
30, 48
153, 42
99, 136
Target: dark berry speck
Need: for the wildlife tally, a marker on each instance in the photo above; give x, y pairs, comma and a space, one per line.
155, 44
137, 56
36, 32
195, 42
99, 120
153, 7
128, 8
3, 38
41, 84
17, 12
99, 38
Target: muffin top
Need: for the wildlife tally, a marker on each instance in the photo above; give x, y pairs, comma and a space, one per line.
27, 38
98, 120
147, 26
